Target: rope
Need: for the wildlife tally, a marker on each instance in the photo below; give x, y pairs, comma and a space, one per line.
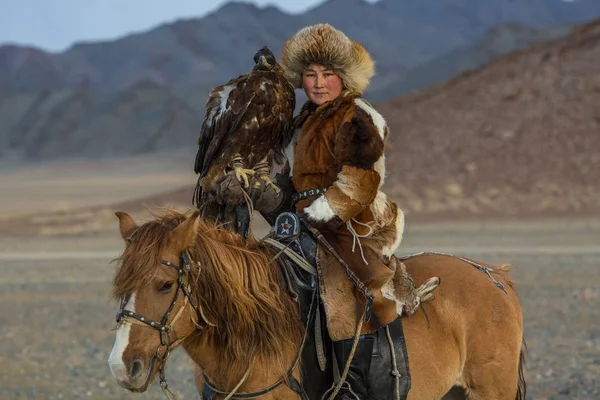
356, 237
350, 358
395, 371
283, 379
298, 260
250, 206
235, 389
480, 267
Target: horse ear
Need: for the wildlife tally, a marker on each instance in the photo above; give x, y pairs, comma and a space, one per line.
126, 224
184, 235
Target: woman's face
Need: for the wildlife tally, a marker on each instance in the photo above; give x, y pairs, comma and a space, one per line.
321, 84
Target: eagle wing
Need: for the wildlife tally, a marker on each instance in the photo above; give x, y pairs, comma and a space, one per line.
283, 111
265, 129
225, 108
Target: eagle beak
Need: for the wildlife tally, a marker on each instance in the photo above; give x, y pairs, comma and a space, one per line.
262, 60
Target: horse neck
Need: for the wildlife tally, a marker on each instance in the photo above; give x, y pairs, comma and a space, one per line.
256, 324
225, 375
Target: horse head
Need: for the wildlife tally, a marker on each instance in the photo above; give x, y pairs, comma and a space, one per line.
183, 281
152, 283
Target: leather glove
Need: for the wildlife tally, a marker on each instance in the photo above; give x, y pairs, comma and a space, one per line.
229, 191
266, 198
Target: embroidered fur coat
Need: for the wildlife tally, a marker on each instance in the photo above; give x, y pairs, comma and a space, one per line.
340, 146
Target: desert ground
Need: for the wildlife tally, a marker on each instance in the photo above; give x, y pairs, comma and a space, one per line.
58, 236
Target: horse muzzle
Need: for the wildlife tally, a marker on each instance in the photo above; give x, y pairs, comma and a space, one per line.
136, 377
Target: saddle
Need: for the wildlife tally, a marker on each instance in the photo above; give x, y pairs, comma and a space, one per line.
389, 376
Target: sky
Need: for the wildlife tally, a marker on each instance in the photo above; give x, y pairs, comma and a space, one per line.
54, 25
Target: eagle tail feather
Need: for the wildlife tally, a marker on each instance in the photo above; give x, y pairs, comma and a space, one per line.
197, 196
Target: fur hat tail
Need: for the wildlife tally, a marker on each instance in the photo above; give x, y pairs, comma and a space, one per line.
323, 44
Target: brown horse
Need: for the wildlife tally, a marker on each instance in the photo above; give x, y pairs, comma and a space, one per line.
227, 309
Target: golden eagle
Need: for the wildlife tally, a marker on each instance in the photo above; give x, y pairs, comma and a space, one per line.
247, 126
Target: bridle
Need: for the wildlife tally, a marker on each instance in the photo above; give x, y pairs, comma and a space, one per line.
164, 329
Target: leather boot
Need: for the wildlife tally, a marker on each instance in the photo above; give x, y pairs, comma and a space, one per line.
355, 385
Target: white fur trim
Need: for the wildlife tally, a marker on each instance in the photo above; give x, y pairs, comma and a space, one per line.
389, 293
378, 120
320, 210
389, 250
379, 205
379, 166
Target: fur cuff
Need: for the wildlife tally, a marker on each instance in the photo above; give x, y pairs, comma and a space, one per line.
319, 210
353, 191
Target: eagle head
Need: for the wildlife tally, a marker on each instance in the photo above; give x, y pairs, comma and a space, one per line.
264, 59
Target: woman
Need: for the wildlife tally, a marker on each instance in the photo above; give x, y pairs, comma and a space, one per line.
339, 148
337, 154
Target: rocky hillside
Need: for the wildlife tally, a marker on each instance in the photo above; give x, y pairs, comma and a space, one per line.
150, 117
81, 123
520, 136
501, 40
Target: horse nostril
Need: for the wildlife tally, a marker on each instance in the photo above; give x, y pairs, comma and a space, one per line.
136, 369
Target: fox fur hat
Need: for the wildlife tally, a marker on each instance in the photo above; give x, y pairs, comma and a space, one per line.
323, 44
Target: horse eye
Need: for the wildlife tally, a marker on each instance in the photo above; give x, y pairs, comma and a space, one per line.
166, 287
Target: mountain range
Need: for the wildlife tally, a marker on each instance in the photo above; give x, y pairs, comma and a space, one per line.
401, 34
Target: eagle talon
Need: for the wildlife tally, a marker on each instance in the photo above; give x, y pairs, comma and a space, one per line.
242, 175
269, 182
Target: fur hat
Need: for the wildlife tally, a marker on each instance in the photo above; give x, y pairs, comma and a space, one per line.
323, 44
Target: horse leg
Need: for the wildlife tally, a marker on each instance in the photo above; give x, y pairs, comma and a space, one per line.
456, 393
494, 372
497, 393
493, 383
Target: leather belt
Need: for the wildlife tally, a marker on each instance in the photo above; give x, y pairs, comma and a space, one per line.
306, 194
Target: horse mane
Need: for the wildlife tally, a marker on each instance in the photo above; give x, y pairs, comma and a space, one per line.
236, 283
